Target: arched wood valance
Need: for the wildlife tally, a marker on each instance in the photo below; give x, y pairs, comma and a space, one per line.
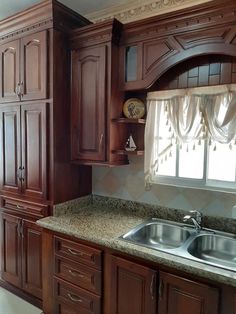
165, 41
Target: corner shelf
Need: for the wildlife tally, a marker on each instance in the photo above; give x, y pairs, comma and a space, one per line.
124, 152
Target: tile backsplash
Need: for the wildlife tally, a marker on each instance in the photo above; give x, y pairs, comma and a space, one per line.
127, 182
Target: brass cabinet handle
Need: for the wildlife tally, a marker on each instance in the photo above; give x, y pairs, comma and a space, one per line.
161, 289
21, 89
17, 91
20, 207
101, 140
152, 286
75, 253
75, 273
74, 298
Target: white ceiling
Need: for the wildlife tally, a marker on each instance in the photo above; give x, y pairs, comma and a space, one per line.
10, 7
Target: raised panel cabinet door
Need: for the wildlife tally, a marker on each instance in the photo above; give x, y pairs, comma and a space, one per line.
10, 149
181, 296
88, 104
33, 81
32, 258
11, 249
9, 71
132, 288
34, 154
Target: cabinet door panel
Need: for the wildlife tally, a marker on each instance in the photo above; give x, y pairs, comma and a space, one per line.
34, 66
34, 141
11, 249
88, 104
32, 259
182, 296
132, 288
10, 159
9, 69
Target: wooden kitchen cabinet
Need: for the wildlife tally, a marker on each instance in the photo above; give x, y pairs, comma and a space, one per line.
23, 159
178, 295
21, 249
88, 106
35, 166
96, 99
23, 68
131, 287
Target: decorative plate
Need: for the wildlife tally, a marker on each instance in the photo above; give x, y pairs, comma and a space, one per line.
134, 108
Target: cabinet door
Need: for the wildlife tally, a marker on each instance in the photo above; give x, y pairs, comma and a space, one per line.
88, 104
9, 69
11, 249
132, 288
10, 149
34, 157
32, 259
34, 66
182, 296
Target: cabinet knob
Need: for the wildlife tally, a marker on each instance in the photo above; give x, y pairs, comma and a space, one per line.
21, 89
17, 91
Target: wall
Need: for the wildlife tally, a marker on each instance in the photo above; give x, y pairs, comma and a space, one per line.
127, 182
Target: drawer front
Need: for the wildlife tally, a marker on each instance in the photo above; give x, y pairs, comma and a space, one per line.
79, 300
78, 274
33, 209
78, 252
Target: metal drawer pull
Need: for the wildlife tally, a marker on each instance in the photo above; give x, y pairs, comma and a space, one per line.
20, 207
74, 298
75, 253
75, 274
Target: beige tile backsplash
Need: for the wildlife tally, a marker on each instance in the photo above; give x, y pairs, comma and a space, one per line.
127, 182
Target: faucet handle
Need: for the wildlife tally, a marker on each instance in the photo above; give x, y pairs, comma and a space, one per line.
198, 215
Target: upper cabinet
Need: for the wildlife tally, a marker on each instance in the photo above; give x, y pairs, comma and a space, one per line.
96, 99
89, 103
23, 68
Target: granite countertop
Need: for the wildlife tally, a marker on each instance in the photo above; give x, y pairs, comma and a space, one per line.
103, 225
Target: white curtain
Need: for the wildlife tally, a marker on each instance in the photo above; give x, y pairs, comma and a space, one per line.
193, 114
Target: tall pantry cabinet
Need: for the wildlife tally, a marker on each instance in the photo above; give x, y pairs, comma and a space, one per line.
35, 168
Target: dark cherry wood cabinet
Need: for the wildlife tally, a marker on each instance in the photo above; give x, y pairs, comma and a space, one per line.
178, 295
21, 251
32, 258
23, 159
10, 71
96, 99
35, 166
23, 67
132, 287
88, 107
11, 249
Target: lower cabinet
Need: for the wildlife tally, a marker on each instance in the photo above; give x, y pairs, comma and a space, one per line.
22, 254
181, 296
132, 288
84, 279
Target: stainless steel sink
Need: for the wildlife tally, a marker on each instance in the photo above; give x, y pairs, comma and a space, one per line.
214, 249
207, 246
159, 234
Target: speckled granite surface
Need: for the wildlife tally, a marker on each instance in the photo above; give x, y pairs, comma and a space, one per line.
102, 221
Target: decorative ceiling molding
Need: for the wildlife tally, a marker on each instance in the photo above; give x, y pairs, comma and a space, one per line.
138, 9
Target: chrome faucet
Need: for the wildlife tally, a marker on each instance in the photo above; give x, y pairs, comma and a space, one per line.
196, 218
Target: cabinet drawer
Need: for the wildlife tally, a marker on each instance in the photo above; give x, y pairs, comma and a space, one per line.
33, 209
78, 252
79, 300
78, 274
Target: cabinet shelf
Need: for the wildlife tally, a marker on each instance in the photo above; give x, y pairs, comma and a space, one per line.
127, 120
124, 152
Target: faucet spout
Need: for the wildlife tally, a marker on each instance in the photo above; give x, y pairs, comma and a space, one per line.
196, 218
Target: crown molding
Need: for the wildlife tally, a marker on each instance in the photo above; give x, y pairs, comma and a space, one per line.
136, 10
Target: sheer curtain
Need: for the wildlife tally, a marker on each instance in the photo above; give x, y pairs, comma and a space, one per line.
193, 114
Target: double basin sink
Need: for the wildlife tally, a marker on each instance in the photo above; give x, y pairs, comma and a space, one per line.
206, 246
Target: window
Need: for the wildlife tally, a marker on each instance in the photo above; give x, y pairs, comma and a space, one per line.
190, 139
